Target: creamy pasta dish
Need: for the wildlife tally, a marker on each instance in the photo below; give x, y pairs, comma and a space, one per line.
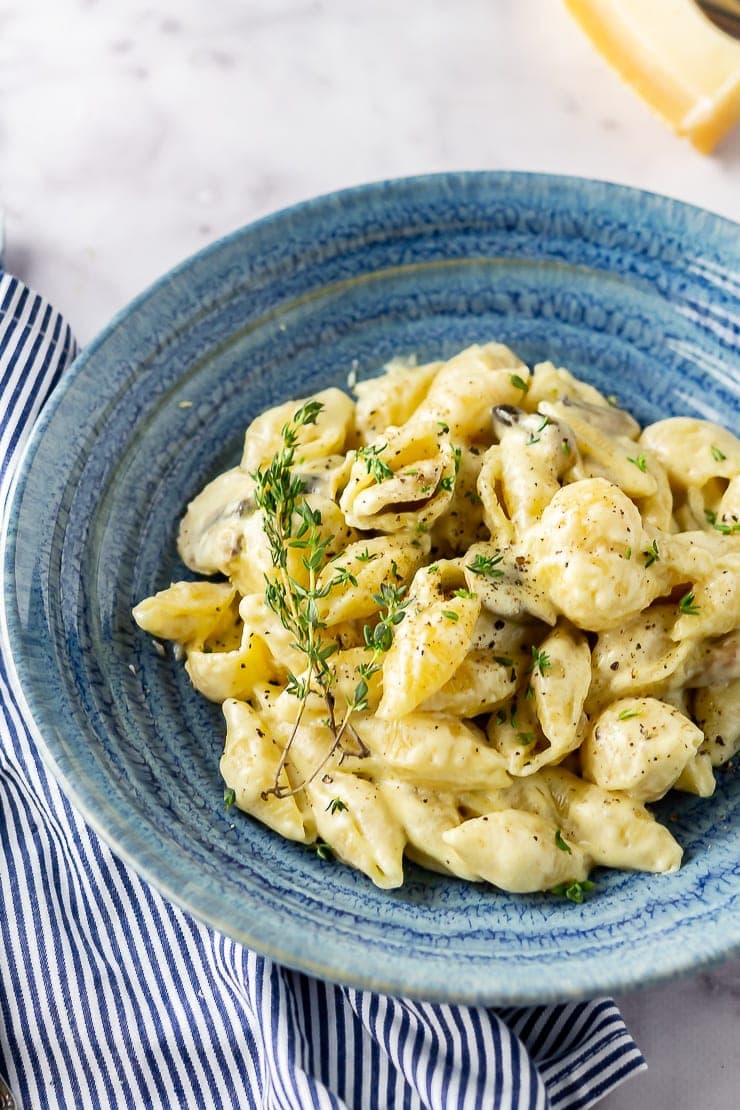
475, 617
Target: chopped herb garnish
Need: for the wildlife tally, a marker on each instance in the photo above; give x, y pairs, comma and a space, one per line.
504, 660
457, 455
501, 717
640, 462
727, 529
375, 465
487, 566
561, 844
574, 891
526, 738
342, 577
366, 556
323, 851
565, 446
450, 614
540, 661
519, 383
536, 437
628, 714
447, 483
628, 553
336, 805
445, 427
717, 455
686, 605
290, 523
465, 593
652, 554
711, 517
229, 798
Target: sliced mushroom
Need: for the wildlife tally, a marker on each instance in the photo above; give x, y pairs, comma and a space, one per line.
608, 418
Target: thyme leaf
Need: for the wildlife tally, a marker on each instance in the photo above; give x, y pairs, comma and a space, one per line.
376, 466
487, 565
686, 605
291, 524
575, 891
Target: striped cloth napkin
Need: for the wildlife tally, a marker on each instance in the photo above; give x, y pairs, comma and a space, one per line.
112, 998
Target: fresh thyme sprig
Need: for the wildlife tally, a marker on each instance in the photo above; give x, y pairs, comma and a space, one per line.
291, 524
540, 661
687, 605
652, 555
378, 639
376, 466
640, 462
486, 565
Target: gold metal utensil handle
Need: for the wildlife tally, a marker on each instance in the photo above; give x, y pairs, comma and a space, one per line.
724, 14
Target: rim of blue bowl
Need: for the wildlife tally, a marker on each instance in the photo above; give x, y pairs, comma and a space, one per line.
36, 715
660, 200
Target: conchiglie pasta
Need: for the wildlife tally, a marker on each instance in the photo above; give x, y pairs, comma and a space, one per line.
426, 815
641, 746
220, 675
474, 618
467, 387
249, 766
585, 548
401, 482
190, 613
363, 832
430, 748
516, 851
614, 829
392, 398
717, 713
326, 436
693, 452
429, 644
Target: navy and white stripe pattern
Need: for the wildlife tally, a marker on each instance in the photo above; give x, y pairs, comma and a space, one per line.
110, 998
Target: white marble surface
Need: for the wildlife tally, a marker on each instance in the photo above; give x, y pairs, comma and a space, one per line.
134, 133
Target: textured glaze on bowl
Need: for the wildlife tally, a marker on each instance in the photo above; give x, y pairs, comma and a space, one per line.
636, 293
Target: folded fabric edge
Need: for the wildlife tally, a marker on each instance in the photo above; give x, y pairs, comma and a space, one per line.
36, 347
595, 1070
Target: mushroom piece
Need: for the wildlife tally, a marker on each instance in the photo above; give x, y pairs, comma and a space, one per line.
608, 418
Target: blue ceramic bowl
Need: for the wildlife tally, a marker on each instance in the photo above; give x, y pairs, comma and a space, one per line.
636, 293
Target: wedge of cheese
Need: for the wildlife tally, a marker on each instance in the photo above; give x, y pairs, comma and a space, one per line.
674, 57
